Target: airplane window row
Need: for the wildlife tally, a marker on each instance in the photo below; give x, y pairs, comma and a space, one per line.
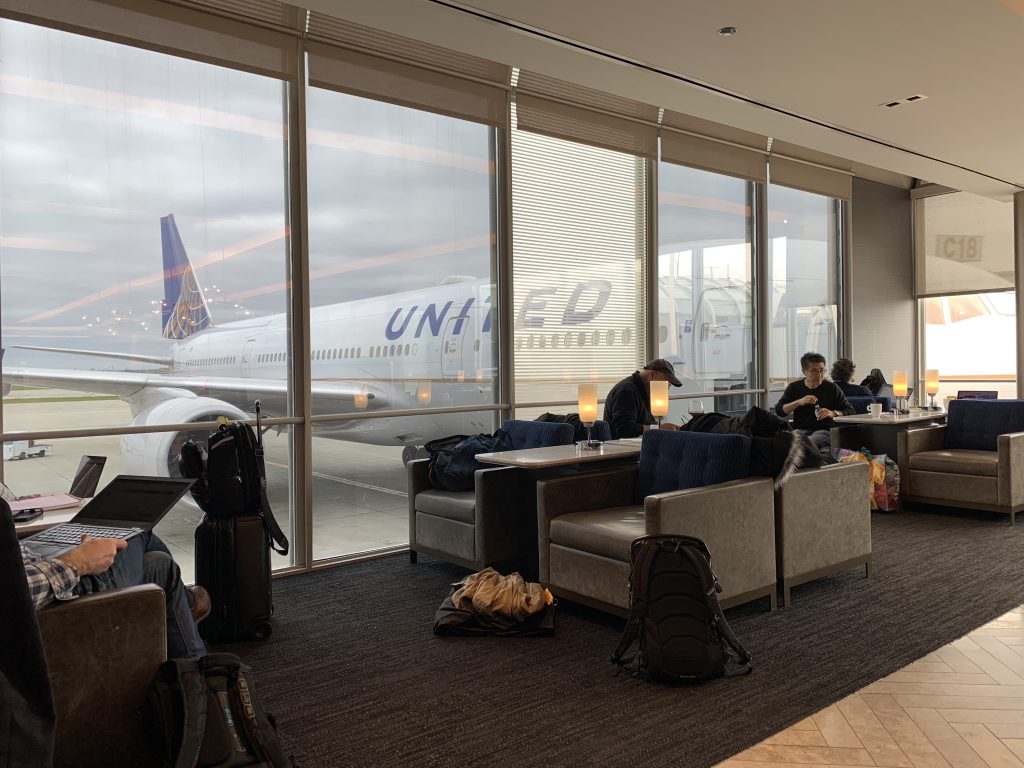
346, 353
271, 357
210, 361
394, 350
573, 339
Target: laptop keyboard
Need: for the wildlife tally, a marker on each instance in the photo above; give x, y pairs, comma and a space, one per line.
72, 534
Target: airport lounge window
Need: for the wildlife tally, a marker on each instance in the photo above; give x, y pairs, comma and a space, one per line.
145, 208
579, 222
705, 296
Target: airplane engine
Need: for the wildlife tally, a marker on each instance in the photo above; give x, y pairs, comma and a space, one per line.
155, 453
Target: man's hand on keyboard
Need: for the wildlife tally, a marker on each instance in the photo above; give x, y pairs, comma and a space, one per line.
93, 555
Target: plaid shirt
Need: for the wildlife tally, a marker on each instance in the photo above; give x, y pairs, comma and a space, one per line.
48, 580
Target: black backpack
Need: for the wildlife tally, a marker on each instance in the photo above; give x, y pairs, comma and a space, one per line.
674, 610
453, 463
208, 715
230, 476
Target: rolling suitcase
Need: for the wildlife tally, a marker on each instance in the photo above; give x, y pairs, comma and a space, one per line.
233, 563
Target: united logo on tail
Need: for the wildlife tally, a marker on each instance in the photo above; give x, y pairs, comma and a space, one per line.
184, 308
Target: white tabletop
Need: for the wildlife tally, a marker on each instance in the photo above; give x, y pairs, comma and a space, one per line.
891, 419
48, 519
556, 455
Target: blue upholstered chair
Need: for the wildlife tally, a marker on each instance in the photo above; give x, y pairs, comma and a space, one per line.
601, 431
495, 524
975, 460
689, 483
860, 404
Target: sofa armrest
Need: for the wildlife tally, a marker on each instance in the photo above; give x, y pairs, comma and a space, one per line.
578, 493
417, 480
103, 651
823, 517
1011, 468
911, 441
735, 519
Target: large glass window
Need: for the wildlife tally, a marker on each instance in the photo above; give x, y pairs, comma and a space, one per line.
579, 238
401, 242
803, 267
705, 290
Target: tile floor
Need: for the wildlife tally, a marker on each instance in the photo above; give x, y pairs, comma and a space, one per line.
959, 707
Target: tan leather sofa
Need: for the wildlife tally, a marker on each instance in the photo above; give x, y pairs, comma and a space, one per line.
102, 651
822, 524
587, 522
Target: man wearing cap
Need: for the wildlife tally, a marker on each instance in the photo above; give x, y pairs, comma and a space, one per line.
627, 408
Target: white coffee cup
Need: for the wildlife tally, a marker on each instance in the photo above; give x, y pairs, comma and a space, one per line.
875, 409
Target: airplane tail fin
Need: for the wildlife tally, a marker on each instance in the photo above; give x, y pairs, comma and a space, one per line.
184, 308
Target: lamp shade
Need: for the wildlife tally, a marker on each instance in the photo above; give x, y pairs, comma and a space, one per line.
931, 381
360, 398
588, 403
423, 393
659, 398
899, 383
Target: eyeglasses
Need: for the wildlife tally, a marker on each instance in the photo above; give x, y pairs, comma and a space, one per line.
814, 370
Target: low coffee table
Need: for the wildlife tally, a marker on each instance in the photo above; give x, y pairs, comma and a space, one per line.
562, 455
879, 434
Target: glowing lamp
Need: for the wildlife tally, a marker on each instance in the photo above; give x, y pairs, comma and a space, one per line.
423, 393
931, 386
588, 403
360, 398
900, 380
659, 400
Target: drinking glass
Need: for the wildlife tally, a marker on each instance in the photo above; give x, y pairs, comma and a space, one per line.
695, 408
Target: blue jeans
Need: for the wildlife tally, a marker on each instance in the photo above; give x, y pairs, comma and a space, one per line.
148, 561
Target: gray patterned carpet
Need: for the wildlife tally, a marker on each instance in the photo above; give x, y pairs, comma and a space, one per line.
355, 677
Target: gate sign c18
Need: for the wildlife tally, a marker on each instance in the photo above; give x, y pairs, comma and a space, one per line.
958, 247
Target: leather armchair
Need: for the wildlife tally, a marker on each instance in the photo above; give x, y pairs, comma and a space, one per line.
103, 651
975, 460
686, 483
495, 524
822, 524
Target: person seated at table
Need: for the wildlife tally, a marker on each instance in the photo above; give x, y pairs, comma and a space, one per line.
627, 409
842, 375
99, 565
875, 382
813, 402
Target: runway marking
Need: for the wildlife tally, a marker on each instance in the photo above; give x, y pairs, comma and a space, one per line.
368, 486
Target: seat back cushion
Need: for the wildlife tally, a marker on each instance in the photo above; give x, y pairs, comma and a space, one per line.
975, 424
860, 404
671, 460
601, 431
536, 434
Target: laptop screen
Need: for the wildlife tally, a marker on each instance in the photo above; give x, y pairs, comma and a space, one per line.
139, 501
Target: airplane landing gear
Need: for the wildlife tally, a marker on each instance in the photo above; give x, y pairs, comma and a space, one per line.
413, 452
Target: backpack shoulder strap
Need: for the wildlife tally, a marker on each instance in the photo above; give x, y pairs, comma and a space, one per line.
181, 689
718, 620
641, 554
278, 541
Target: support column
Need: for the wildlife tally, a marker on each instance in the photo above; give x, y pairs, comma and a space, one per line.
1018, 281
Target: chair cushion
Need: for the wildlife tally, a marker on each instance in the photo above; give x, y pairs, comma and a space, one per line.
537, 434
453, 505
671, 460
608, 532
975, 424
961, 461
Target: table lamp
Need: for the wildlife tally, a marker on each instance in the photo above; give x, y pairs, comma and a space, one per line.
423, 393
587, 395
931, 386
659, 400
899, 389
360, 398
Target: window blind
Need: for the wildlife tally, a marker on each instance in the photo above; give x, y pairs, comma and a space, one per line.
709, 146
810, 171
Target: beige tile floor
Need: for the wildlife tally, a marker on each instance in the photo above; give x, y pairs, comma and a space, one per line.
959, 707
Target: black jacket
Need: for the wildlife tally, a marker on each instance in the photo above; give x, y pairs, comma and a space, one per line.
829, 396
627, 408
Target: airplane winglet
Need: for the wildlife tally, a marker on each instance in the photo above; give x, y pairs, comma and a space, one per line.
184, 307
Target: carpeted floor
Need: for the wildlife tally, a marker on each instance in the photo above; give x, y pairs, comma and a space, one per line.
355, 677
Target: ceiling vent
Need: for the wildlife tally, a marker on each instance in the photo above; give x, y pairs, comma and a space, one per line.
901, 102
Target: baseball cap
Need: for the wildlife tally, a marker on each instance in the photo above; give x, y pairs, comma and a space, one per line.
664, 366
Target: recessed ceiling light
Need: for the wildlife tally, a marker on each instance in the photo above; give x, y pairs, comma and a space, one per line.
728, 31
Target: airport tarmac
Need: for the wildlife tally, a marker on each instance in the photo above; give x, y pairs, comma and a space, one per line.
359, 500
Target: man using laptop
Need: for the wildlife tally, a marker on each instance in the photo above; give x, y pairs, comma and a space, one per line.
99, 565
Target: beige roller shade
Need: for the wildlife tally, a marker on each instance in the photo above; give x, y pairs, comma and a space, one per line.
709, 146
564, 110
368, 62
168, 28
817, 172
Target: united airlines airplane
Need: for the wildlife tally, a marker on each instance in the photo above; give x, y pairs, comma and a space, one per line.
398, 352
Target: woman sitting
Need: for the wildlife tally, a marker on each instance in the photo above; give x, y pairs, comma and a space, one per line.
875, 382
842, 372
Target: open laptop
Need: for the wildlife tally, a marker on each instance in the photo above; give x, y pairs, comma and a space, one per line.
83, 486
129, 505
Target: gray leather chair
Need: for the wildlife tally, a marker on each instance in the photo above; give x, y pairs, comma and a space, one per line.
822, 524
686, 483
975, 460
495, 524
